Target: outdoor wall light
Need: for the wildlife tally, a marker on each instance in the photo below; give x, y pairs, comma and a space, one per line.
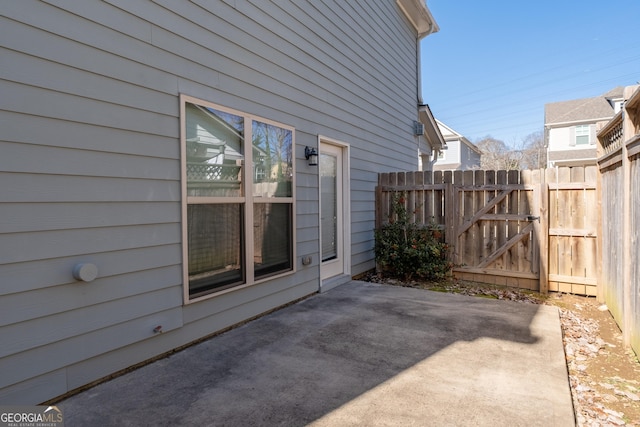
311, 155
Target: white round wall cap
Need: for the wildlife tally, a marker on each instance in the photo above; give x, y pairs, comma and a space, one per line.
85, 272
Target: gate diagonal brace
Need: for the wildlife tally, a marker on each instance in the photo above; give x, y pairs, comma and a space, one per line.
512, 241
500, 197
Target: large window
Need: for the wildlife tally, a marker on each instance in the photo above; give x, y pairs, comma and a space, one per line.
583, 136
238, 215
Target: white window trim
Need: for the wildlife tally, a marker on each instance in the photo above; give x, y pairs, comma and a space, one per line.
248, 200
579, 132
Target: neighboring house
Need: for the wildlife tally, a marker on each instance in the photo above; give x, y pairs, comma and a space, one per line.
460, 154
155, 181
570, 128
430, 139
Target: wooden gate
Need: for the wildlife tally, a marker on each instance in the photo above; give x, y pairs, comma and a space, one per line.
534, 229
496, 227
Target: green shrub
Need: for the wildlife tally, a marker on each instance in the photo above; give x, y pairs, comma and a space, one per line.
406, 251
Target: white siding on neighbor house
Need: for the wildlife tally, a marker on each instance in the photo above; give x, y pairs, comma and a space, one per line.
451, 158
469, 159
90, 165
564, 138
453, 153
458, 156
559, 138
464, 157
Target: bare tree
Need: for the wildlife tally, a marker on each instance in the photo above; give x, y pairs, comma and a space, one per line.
496, 155
534, 151
529, 153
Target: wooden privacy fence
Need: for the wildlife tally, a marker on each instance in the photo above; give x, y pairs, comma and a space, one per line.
533, 229
620, 174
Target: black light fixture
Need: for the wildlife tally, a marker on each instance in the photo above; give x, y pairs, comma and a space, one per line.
311, 155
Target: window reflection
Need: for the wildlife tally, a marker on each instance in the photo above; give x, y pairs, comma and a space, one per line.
272, 159
214, 233
222, 248
271, 238
215, 152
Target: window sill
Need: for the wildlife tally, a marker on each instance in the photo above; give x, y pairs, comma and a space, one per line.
214, 294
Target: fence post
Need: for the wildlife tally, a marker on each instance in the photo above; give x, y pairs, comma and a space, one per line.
627, 321
599, 236
543, 232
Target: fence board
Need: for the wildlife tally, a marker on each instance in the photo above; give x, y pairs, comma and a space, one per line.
513, 178
427, 197
501, 231
411, 196
564, 221
479, 202
524, 244
490, 194
419, 199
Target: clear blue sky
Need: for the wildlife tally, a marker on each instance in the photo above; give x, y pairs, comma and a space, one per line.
494, 64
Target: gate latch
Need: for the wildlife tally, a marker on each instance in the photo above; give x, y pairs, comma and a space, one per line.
533, 218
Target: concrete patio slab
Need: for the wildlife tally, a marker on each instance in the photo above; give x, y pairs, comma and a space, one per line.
360, 355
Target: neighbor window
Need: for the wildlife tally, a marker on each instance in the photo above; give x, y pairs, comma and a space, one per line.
238, 197
583, 134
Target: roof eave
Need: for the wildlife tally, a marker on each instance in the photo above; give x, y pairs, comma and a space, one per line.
471, 145
431, 127
420, 16
576, 122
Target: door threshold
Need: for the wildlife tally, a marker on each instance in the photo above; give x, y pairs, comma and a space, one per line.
332, 282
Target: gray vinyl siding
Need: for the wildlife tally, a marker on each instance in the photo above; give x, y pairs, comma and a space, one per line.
90, 162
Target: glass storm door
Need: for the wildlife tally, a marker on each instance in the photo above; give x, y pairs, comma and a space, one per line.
331, 210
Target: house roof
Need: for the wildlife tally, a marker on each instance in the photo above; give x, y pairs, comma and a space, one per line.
584, 154
615, 93
581, 110
451, 135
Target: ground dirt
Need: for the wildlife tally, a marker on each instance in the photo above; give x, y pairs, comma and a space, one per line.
604, 375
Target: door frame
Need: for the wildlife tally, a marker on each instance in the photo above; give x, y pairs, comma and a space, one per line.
329, 277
